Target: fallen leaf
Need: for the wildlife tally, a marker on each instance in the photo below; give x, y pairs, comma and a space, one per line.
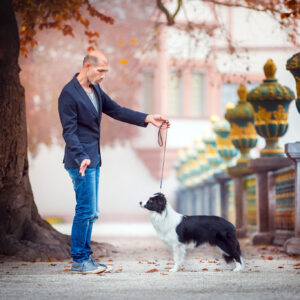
170, 263
270, 257
67, 270
53, 265
163, 274
83, 273
100, 274
204, 269
110, 260
24, 265
280, 267
119, 270
217, 270
152, 270
181, 269
150, 263
211, 261
168, 268
297, 265
140, 262
52, 258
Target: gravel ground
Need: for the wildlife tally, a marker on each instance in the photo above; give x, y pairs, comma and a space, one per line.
269, 274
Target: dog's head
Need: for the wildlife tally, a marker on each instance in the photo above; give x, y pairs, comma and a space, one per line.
156, 203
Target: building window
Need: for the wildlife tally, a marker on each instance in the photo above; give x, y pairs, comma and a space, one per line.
147, 94
175, 93
198, 98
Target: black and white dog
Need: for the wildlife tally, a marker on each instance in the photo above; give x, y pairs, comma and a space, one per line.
181, 232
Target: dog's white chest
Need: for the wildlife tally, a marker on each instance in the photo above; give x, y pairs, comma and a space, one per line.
165, 225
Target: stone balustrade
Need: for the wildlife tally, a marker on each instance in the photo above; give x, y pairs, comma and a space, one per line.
260, 196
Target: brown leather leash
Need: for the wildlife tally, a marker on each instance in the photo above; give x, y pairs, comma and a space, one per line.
161, 143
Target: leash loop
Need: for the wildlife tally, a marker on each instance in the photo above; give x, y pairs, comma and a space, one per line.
161, 143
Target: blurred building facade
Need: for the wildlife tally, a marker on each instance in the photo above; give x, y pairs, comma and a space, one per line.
188, 79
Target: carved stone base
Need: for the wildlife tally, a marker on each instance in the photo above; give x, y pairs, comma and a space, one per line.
281, 236
292, 246
265, 238
241, 232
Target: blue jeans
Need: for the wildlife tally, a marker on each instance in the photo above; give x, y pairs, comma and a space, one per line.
86, 211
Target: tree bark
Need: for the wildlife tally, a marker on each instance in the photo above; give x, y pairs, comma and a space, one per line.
23, 233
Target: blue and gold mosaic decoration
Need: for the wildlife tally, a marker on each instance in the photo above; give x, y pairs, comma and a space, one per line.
271, 101
243, 133
293, 65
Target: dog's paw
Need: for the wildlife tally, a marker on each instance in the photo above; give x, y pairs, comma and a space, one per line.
238, 269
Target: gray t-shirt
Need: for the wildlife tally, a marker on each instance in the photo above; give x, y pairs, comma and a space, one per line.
94, 99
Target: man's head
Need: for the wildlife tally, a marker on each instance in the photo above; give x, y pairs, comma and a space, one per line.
95, 64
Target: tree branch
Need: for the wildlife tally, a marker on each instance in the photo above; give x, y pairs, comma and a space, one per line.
249, 5
170, 18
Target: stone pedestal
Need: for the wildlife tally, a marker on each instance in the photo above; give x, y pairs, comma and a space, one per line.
265, 203
193, 200
238, 174
209, 197
292, 150
222, 179
200, 200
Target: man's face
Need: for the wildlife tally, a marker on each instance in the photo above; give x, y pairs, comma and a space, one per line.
96, 73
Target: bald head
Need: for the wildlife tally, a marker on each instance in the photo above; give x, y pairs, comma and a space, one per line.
95, 64
94, 57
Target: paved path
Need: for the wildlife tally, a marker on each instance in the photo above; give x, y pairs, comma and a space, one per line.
269, 274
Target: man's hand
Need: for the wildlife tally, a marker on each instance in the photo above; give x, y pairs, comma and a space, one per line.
86, 162
157, 120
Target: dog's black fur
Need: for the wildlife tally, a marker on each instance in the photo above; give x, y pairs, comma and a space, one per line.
156, 203
213, 230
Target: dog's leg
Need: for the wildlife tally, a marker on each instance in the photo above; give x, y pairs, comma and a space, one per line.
239, 266
179, 254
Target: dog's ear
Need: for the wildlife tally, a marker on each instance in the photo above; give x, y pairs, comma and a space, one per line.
162, 200
159, 195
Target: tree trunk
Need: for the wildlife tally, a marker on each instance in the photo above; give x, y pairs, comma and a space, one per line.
23, 233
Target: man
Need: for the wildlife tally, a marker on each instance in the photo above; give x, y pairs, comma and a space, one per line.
80, 107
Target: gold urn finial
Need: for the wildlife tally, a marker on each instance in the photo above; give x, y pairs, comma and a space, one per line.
229, 106
214, 119
242, 92
270, 69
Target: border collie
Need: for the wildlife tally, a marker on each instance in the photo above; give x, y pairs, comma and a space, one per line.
181, 232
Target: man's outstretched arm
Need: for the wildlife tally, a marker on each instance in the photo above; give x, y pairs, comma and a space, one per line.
114, 110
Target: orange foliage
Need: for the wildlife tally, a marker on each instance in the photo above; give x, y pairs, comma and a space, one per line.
39, 15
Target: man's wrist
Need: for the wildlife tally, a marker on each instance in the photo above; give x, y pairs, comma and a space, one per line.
147, 120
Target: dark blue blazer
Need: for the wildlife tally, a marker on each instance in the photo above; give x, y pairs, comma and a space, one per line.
81, 122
